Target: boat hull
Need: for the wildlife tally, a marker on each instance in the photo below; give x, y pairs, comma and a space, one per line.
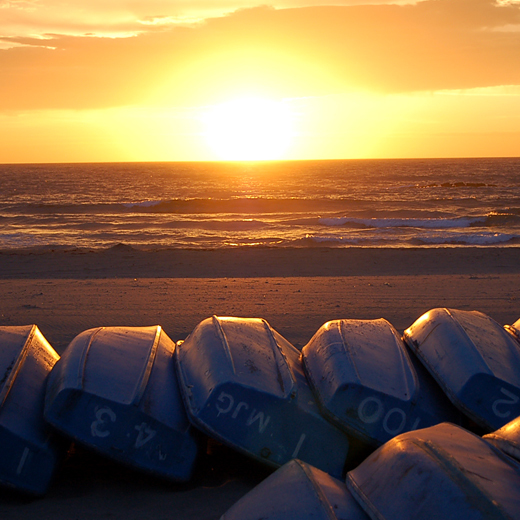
297, 491
244, 385
507, 438
514, 329
30, 451
367, 383
474, 360
440, 472
115, 391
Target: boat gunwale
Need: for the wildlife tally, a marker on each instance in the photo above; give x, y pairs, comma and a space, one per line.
15, 370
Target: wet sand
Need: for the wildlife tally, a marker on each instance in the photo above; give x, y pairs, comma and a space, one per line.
296, 291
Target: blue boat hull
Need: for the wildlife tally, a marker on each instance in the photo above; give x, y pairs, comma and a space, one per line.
507, 438
244, 385
474, 360
115, 390
297, 491
443, 472
367, 383
30, 451
514, 330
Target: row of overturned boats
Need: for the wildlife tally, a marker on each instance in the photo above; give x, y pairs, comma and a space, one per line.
363, 422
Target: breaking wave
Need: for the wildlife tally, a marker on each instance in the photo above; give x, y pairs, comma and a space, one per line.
387, 203
493, 219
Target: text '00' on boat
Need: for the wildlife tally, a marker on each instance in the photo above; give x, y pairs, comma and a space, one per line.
368, 383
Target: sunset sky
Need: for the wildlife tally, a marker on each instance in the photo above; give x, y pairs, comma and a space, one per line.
167, 80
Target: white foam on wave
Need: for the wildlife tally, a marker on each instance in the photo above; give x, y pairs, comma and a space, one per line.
18, 240
478, 239
430, 223
475, 239
143, 204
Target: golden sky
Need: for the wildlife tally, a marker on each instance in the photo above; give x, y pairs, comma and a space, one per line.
155, 80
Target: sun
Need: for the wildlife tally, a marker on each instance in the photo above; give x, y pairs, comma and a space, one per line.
249, 129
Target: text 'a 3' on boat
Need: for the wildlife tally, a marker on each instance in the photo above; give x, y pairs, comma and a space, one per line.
442, 472
297, 491
243, 384
115, 390
475, 361
29, 450
369, 384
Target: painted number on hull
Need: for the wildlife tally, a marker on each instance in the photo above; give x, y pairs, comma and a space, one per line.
145, 434
226, 404
23, 460
499, 404
105, 416
371, 410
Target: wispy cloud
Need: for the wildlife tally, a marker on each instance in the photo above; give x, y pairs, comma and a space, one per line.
23, 18
118, 53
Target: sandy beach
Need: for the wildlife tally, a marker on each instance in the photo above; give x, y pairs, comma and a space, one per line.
296, 290
294, 161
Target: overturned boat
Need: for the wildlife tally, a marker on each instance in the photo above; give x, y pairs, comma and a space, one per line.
29, 451
475, 361
507, 438
243, 384
514, 329
443, 472
367, 383
297, 491
115, 390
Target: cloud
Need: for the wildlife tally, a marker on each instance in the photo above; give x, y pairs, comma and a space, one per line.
35, 18
305, 51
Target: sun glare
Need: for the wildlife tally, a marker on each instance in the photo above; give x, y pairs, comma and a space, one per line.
249, 129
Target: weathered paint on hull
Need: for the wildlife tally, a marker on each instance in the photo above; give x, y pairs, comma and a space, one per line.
443, 472
297, 491
244, 384
507, 438
29, 451
115, 390
514, 329
367, 383
474, 360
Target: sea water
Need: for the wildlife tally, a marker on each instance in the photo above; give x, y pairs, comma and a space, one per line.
364, 203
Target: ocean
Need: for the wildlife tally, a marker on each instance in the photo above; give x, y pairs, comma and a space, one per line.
363, 203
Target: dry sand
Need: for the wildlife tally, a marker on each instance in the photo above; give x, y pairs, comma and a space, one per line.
66, 292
